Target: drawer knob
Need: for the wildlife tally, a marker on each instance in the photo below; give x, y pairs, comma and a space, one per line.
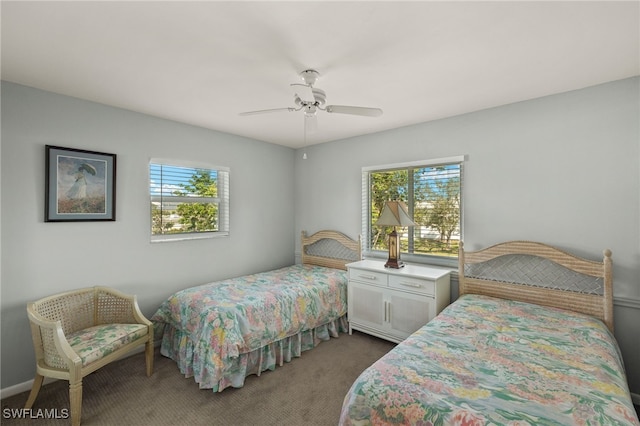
408, 284
368, 277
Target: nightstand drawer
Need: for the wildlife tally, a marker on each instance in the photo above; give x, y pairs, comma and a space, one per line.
370, 277
412, 284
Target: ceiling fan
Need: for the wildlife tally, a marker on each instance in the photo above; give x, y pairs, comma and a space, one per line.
310, 99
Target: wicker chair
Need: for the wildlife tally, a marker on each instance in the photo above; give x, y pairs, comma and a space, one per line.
77, 332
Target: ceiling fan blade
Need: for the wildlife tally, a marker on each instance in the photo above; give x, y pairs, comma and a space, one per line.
264, 111
304, 92
310, 123
354, 110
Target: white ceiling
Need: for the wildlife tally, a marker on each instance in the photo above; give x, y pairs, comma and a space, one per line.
202, 63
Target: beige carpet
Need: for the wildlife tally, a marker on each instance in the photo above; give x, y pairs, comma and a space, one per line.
306, 391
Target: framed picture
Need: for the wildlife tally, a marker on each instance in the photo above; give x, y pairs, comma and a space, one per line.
80, 185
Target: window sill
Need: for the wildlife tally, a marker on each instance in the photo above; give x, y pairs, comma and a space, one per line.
187, 237
450, 264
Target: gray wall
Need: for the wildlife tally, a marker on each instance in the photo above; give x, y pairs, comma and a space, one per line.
562, 169
41, 258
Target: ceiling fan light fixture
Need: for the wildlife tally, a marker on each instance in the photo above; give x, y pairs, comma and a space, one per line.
320, 96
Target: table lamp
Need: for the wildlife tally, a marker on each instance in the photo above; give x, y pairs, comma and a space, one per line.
394, 213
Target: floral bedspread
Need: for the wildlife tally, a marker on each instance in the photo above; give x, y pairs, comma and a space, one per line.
487, 361
213, 324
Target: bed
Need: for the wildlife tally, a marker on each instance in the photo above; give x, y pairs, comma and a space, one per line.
528, 342
220, 332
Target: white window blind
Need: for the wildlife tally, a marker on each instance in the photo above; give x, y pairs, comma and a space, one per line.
188, 201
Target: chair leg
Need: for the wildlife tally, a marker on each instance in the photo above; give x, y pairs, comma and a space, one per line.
75, 401
35, 389
149, 357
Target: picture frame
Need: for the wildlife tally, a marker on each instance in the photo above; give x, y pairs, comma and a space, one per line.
80, 185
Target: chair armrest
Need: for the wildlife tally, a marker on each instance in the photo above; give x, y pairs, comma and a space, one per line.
50, 342
114, 306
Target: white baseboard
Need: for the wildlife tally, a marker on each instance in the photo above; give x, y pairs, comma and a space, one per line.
22, 387
26, 386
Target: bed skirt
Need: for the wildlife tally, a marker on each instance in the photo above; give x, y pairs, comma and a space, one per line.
196, 363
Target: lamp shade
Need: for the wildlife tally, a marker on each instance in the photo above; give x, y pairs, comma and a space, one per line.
394, 213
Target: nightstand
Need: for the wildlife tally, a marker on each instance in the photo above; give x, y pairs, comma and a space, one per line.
393, 303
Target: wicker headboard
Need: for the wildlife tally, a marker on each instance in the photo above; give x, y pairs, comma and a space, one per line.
329, 248
538, 273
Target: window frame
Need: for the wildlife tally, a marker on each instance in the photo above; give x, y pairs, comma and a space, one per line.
222, 200
367, 250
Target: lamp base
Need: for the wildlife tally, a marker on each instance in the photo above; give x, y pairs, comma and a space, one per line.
394, 263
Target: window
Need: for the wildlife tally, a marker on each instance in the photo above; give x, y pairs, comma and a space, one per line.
188, 201
432, 191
